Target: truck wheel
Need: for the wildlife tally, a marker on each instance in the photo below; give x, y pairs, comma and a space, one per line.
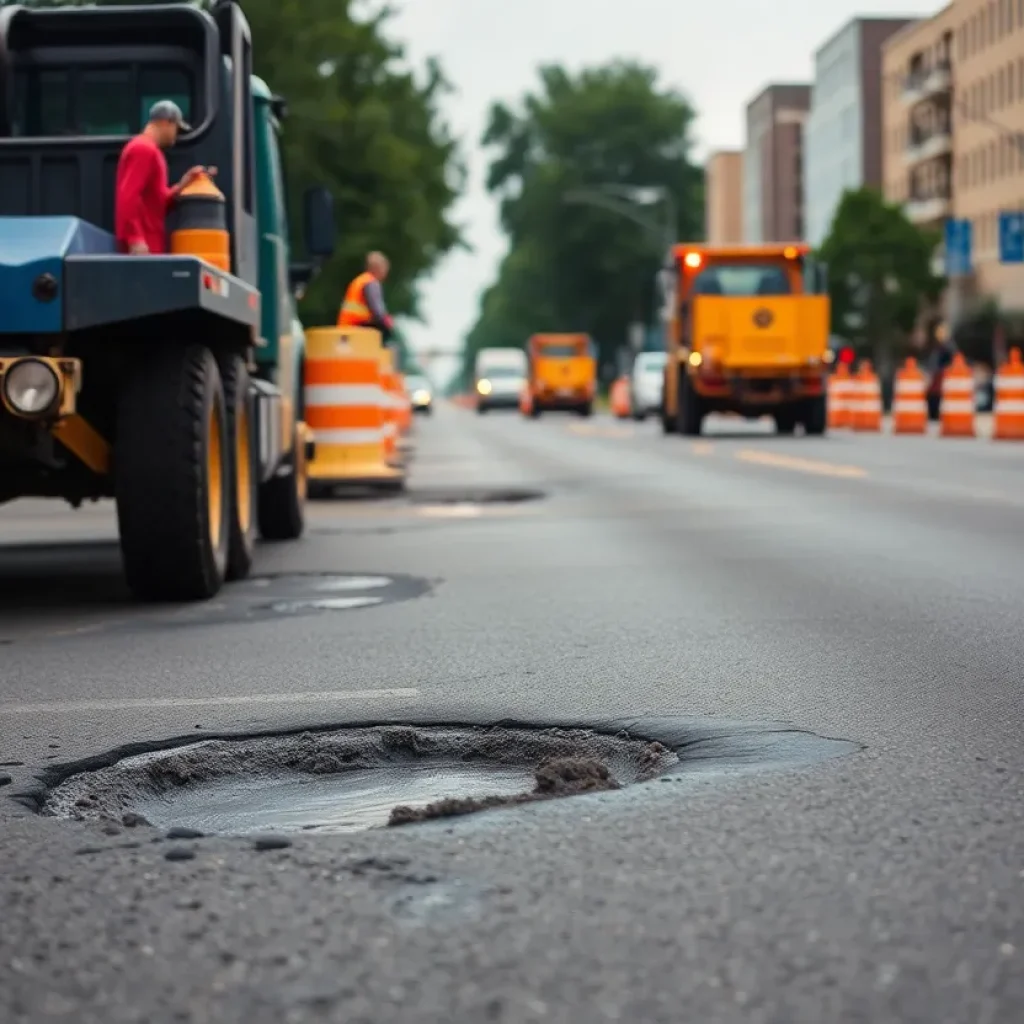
816, 416
785, 422
244, 472
480, 408
172, 478
281, 505
668, 422
586, 409
689, 417
535, 411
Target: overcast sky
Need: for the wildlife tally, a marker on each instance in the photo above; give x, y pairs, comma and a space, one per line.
719, 52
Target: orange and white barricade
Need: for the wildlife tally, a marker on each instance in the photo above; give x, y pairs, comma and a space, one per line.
619, 398
1008, 410
389, 384
909, 404
957, 404
866, 407
841, 390
526, 401
345, 408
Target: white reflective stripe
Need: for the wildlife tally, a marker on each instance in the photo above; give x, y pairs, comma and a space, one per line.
958, 384
899, 405
910, 387
344, 394
343, 436
958, 407
1004, 384
1015, 407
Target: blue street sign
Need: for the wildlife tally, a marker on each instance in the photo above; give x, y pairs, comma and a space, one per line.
958, 248
1011, 236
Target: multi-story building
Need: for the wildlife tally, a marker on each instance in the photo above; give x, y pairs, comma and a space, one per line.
773, 171
954, 128
723, 198
843, 134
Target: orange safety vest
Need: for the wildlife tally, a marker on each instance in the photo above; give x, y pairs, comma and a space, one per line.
354, 311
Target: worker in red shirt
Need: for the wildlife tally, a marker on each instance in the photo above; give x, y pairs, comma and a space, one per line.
142, 196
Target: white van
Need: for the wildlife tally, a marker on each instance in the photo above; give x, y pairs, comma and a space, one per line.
499, 377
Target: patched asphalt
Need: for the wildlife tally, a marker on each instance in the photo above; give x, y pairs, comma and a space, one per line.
865, 589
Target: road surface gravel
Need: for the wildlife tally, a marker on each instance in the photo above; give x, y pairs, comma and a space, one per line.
865, 588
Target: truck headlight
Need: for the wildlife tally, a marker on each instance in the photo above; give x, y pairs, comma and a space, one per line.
31, 387
484, 387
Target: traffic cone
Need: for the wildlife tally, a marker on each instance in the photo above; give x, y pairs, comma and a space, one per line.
956, 408
620, 398
840, 394
867, 404
909, 405
1008, 411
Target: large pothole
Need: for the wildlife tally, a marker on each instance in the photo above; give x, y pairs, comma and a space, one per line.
356, 779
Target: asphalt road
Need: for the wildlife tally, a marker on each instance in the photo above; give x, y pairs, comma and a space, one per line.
859, 587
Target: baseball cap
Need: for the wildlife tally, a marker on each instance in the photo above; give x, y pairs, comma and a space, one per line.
168, 110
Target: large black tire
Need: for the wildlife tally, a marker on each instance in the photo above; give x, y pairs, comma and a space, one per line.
816, 417
244, 469
586, 409
689, 416
785, 421
281, 506
172, 477
668, 423
481, 409
535, 411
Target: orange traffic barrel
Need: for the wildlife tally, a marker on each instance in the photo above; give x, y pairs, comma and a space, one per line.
956, 406
199, 220
841, 387
867, 401
620, 398
909, 404
404, 406
526, 401
1008, 411
389, 386
345, 402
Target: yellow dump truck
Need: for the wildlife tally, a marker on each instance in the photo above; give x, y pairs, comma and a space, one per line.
749, 335
562, 373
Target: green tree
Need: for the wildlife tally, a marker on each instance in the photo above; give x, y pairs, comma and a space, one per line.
880, 272
364, 125
582, 267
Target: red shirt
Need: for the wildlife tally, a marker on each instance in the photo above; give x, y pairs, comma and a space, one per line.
142, 196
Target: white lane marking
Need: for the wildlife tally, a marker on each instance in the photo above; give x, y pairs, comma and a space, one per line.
70, 706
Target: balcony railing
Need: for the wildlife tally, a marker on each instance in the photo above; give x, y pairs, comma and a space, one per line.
934, 81
928, 147
927, 209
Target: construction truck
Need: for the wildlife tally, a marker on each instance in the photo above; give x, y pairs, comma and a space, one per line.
170, 383
562, 374
749, 334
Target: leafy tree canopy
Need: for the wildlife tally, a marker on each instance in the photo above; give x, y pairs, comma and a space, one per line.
880, 271
367, 127
577, 265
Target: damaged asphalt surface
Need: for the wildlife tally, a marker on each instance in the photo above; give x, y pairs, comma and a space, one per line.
860, 588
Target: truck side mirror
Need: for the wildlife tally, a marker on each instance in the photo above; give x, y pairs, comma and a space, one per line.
319, 226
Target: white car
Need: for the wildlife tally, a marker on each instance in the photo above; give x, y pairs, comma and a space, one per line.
646, 383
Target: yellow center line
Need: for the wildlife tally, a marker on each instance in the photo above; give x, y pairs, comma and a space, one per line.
800, 465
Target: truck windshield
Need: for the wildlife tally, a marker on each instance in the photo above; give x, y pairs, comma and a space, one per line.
741, 280
570, 351
501, 371
51, 101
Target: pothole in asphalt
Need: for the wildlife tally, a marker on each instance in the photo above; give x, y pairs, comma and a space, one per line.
352, 780
349, 780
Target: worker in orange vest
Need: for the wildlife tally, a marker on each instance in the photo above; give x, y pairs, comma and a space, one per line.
364, 299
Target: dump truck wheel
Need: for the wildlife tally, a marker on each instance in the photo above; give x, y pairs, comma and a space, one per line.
586, 409
785, 422
244, 472
816, 417
281, 506
688, 412
535, 411
668, 422
172, 477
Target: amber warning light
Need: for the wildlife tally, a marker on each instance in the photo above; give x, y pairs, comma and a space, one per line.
692, 259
